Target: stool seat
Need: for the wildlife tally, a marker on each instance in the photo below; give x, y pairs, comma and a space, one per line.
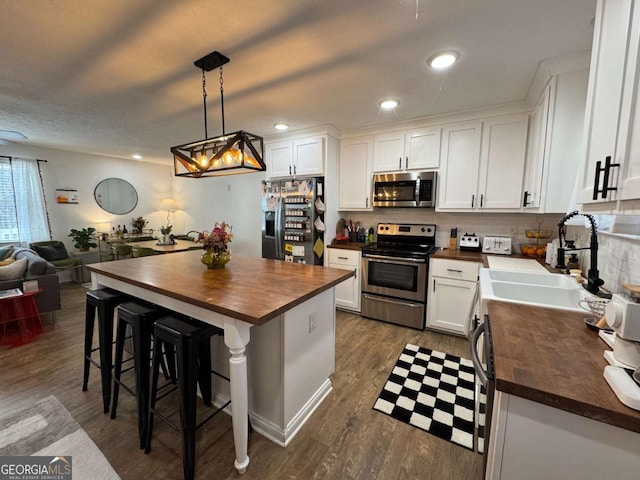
191, 340
140, 316
104, 301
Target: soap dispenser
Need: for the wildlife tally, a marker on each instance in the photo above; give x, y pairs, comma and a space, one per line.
573, 263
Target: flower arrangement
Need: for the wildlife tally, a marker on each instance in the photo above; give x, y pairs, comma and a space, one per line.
166, 230
218, 239
139, 223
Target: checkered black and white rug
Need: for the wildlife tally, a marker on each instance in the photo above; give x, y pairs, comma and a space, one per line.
433, 391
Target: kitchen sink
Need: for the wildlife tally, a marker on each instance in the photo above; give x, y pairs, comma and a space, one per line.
529, 278
552, 291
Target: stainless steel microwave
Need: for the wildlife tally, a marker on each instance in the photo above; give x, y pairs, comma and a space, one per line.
415, 189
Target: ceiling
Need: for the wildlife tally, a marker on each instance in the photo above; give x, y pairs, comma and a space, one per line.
116, 77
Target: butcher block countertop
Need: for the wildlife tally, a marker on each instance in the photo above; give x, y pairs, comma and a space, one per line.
550, 357
254, 290
348, 245
457, 254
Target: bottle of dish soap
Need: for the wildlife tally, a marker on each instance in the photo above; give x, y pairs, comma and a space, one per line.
573, 263
370, 235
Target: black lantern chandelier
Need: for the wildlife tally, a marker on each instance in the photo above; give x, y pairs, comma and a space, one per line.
227, 154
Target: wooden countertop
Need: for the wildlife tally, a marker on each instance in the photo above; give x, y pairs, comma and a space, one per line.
254, 290
458, 254
549, 356
348, 246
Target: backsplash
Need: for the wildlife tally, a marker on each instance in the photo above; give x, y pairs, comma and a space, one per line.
500, 224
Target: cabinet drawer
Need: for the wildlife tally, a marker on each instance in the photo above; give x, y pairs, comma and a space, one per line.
344, 257
459, 269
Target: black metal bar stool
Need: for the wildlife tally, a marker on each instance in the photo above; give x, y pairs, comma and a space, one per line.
191, 340
140, 316
105, 301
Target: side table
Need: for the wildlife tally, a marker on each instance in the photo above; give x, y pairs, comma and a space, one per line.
20, 320
82, 275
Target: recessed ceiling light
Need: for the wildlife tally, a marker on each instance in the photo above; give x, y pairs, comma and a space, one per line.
280, 126
388, 103
136, 156
443, 59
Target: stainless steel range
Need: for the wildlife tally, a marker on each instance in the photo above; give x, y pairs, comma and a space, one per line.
394, 274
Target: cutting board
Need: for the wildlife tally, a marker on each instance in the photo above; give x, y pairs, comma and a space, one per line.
521, 264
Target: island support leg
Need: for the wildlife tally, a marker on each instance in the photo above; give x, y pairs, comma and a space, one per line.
236, 338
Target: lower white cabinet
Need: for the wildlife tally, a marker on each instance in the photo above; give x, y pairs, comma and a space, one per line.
348, 292
530, 441
452, 289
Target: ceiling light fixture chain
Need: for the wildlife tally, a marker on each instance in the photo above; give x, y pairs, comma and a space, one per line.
204, 101
224, 132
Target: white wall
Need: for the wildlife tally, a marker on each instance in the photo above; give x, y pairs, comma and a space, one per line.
83, 172
235, 199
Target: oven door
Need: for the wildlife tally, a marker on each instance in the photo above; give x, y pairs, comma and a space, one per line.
404, 278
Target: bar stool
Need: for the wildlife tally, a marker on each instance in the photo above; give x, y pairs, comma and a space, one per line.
191, 340
140, 316
105, 301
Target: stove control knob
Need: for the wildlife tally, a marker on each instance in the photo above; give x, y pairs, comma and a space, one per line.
429, 229
387, 227
422, 229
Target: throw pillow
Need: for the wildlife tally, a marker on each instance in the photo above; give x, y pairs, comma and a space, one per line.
51, 253
7, 261
6, 252
14, 271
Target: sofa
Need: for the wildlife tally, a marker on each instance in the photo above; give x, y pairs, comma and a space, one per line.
37, 268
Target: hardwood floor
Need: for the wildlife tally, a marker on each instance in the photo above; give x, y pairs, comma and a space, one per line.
344, 439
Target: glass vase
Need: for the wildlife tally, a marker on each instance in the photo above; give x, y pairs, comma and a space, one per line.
213, 259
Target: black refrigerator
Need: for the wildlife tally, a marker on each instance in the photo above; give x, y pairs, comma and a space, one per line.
293, 220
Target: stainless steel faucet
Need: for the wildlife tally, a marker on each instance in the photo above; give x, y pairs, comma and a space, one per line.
594, 282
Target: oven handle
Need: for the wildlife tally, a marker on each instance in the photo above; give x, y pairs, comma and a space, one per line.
386, 300
475, 358
394, 259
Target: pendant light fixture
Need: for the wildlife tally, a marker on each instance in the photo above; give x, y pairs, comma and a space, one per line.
227, 154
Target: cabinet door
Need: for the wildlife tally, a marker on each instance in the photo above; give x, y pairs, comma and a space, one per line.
606, 77
279, 159
354, 177
422, 148
629, 138
347, 293
388, 152
536, 150
460, 164
308, 157
450, 305
504, 142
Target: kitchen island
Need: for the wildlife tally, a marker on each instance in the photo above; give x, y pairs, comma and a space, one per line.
286, 309
554, 414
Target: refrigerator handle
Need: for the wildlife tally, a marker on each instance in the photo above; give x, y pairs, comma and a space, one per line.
279, 232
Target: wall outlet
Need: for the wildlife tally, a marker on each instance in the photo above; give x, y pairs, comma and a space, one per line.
313, 323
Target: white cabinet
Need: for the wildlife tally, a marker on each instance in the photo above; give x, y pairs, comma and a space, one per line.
610, 99
302, 157
355, 175
347, 293
530, 441
417, 149
483, 164
452, 289
554, 149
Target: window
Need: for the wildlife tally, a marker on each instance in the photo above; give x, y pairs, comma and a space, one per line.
23, 216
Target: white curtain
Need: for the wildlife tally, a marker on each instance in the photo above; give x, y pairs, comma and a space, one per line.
31, 213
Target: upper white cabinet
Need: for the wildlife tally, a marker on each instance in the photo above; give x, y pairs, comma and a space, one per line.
302, 157
355, 175
554, 149
483, 164
417, 149
611, 100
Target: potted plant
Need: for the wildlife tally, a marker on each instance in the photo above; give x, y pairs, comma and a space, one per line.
84, 239
166, 231
139, 224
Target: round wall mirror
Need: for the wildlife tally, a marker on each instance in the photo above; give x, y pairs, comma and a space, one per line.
116, 196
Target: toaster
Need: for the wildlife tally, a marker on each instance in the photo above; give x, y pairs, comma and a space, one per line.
497, 245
